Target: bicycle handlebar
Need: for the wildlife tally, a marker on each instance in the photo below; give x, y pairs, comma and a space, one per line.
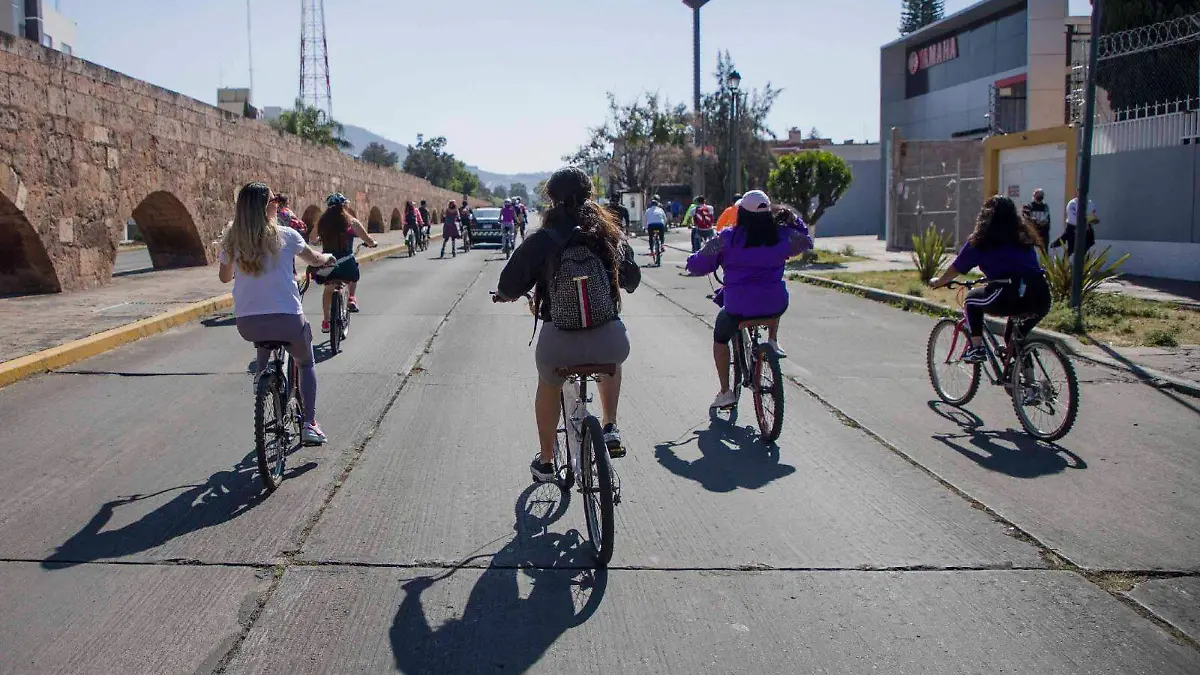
496, 297
972, 283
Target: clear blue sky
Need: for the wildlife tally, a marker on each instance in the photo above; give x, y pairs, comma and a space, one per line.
512, 84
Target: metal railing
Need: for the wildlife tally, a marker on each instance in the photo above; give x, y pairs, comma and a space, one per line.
1155, 125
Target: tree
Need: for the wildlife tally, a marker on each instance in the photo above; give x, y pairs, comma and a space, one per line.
916, 14
519, 190
428, 159
379, 155
814, 134
812, 181
717, 108
311, 124
631, 146
500, 191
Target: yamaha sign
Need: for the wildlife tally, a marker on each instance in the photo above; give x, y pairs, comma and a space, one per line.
933, 54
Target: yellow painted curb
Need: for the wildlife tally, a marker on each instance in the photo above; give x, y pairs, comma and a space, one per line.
93, 345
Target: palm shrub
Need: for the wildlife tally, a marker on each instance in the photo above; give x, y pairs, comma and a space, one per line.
1096, 270
930, 250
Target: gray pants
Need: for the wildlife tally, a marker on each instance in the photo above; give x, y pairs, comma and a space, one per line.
560, 348
295, 330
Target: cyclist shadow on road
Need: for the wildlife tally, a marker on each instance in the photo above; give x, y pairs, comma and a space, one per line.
499, 630
732, 457
1011, 451
223, 497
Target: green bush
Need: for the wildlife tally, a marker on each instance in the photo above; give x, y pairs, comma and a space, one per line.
916, 290
1162, 337
930, 250
848, 251
1096, 270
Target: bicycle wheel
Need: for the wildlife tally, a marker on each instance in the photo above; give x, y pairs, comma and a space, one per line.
739, 366
335, 319
1045, 394
768, 394
954, 380
597, 490
270, 433
562, 450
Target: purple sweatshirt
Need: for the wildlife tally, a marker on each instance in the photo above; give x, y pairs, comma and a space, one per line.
754, 284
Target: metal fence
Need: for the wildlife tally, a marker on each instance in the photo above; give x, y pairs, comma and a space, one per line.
1147, 85
935, 183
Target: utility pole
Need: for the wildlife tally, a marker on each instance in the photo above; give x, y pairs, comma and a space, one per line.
1085, 169
250, 50
698, 175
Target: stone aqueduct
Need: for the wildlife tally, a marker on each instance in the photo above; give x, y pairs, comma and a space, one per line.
84, 148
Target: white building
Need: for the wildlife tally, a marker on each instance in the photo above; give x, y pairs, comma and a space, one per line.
39, 20
58, 31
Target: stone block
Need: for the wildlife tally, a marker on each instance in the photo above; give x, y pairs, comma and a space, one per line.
66, 230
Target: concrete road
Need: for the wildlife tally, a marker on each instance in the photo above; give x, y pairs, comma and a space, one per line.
133, 260
415, 543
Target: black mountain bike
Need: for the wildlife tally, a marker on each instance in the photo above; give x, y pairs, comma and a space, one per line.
1044, 390
756, 367
339, 309
278, 414
656, 247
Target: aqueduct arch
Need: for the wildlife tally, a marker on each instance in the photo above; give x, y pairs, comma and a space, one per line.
24, 264
375, 220
169, 231
397, 221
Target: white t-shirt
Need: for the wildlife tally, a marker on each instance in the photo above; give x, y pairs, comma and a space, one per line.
656, 216
1073, 210
274, 290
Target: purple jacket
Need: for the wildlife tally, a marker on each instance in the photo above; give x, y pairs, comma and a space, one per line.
754, 284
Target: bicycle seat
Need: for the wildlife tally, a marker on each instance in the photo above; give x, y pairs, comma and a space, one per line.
587, 370
272, 345
754, 323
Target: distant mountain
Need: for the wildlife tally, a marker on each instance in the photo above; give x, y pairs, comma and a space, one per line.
360, 138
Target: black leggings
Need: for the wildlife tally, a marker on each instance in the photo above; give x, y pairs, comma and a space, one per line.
1022, 295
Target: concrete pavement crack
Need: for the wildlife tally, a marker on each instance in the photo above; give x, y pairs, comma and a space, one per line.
288, 557
1105, 580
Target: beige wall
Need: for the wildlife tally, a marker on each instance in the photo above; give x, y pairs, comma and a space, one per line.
1047, 66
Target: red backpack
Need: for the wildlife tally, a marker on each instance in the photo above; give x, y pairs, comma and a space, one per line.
703, 217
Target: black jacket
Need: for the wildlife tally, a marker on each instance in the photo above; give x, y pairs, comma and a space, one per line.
529, 268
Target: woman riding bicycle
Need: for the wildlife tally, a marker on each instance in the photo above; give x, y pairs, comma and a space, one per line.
752, 254
1004, 247
412, 222
258, 254
574, 220
336, 230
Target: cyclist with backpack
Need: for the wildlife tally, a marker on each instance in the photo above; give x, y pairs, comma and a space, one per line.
576, 263
423, 211
752, 254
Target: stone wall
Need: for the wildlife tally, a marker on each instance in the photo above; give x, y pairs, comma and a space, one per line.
84, 148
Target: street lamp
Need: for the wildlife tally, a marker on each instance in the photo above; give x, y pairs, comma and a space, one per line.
735, 82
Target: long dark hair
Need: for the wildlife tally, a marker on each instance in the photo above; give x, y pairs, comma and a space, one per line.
1000, 223
334, 228
760, 228
570, 194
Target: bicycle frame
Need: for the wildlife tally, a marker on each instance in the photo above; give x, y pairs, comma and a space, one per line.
575, 411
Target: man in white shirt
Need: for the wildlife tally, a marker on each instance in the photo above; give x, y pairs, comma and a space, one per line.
1068, 235
656, 222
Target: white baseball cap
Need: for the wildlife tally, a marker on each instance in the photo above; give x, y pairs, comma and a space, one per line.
755, 201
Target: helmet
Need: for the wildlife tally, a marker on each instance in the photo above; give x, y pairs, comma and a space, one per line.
516, 200
508, 202
335, 199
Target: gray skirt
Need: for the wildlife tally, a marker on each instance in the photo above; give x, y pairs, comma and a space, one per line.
560, 348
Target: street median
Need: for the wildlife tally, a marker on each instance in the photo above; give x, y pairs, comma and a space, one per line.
72, 352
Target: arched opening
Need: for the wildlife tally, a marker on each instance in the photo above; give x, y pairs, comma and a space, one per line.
25, 266
375, 220
311, 215
169, 231
397, 221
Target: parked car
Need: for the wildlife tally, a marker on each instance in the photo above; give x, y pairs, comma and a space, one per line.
485, 226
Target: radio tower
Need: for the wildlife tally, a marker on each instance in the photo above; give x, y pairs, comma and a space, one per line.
314, 57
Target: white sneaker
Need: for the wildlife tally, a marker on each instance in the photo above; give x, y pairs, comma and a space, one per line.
724, 400
312, 435
778, 350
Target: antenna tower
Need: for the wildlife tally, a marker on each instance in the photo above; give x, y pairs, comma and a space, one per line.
314, 57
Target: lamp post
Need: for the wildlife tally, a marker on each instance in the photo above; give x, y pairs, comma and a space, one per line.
1085, 170
698, 175
735, 136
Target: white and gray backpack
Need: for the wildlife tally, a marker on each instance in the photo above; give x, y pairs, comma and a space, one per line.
580, 287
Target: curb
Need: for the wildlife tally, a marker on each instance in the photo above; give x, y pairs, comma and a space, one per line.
1067, 343
66, 354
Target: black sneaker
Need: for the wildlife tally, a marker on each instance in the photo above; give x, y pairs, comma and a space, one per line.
975, 355
612, 439
542, 473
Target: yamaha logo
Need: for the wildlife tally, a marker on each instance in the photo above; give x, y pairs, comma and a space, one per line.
932, 55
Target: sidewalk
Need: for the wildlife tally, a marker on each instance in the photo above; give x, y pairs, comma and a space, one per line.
32, 323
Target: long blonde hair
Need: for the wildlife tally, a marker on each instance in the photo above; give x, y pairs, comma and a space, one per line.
252, 239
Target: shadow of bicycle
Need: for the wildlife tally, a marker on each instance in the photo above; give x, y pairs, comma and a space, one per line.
502, 629
731, 457
1009, 451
